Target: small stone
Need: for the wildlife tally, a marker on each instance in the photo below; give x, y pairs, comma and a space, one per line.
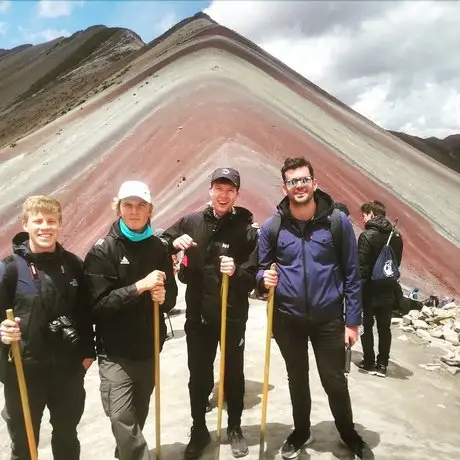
449, 306
430, 367
414, 314
420, 324
408, 329
442, 313
396, 320
403, 338
426, 311
407, 320
451, 369
437, 333
425, 335
452, 337
457, 326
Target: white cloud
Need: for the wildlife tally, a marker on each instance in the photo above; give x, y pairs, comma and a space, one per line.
41, 36
56, 8
3, 28
166, 22
4, 5
394, 62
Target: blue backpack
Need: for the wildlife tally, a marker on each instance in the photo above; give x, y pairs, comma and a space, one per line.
386, 266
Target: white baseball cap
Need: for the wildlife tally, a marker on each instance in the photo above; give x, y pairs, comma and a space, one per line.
135, 188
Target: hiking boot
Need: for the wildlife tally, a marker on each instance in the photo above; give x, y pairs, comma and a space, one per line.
199, 439
381, 370
366, 366
357, 445
294, 444
237, 442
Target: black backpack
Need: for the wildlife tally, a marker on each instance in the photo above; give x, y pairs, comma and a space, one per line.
386, 266
10, 275
335, 221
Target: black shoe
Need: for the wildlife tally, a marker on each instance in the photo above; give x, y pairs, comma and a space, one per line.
199, 439
294, 444
237, 442
381, 370
357, 445
366, 366
209, 406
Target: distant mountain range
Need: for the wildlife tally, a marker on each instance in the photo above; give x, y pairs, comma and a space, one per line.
39, 83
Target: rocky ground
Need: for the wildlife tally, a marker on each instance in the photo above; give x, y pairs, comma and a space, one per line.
439, 327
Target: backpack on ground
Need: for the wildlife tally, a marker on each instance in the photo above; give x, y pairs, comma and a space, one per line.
386, 266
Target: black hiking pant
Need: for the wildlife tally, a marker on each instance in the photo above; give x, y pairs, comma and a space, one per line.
126, 388
202, 341
64, 395
328, 341
382, 316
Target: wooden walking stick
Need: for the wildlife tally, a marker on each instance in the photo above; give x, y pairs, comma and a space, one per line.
156, 334
263, 423
223, 340
23, 393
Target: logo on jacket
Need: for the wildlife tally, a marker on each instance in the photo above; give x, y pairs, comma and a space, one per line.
225, 246
388, 268
74, 283
124, 261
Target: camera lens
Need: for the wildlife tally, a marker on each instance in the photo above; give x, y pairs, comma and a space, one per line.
70, 335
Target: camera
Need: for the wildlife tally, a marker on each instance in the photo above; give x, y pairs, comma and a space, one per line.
62, 326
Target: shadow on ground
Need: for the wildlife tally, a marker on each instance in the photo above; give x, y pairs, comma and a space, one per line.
252, 394
395, 371
326, 439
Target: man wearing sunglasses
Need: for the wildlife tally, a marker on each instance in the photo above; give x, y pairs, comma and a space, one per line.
312, 278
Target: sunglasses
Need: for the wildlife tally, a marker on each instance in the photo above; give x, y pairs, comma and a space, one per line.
291, 183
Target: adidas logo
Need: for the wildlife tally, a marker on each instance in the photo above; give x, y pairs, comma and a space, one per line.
124, 261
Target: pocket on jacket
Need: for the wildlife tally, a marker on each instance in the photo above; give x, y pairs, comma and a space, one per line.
287, 253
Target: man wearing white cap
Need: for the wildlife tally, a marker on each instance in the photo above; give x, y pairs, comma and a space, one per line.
125, 271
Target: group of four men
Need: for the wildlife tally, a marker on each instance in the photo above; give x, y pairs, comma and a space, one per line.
57, 299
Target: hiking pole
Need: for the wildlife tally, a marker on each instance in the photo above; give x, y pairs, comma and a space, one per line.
268, 341
23, 393
156, 334
223, 340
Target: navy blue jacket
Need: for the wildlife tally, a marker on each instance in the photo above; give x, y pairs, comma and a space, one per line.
312, 280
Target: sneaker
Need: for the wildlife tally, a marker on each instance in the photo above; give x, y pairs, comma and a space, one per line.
357, 445
199, 439
294, 444
237, 442
366, 366
381, 370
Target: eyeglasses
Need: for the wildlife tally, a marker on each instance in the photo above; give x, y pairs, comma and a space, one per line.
291, 183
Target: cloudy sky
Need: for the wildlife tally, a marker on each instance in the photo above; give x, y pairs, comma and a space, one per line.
397, 63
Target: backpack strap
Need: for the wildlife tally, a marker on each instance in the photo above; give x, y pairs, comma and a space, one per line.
274, 230
10, 277
336, 230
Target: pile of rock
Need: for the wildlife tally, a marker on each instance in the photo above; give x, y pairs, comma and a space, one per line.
441, 326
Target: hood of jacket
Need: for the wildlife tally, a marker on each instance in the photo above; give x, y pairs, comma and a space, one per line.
324, 206
379, 223
21, 247
238, 212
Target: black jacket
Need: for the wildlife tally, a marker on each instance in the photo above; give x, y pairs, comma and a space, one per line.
370, 243
232, 235
56, 290
124, 319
